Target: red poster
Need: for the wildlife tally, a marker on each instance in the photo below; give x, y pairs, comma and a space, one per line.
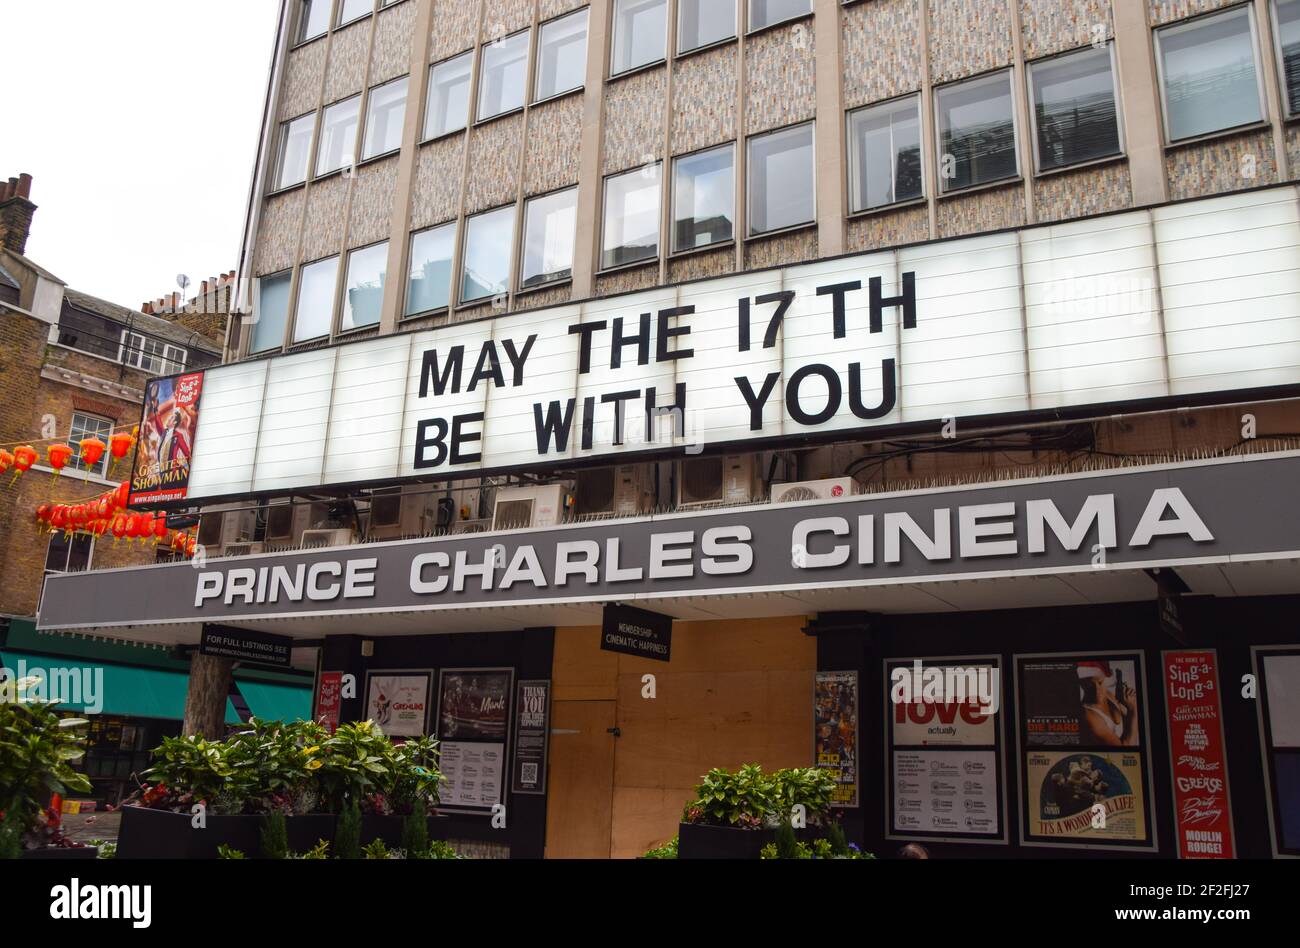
166, 445
1200, 766
329, 693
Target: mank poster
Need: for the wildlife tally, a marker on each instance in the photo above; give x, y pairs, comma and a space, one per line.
474, 704
166, 445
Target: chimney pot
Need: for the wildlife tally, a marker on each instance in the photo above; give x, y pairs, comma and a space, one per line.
24, 185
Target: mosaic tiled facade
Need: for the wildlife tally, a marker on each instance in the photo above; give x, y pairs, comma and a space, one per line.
780, 78
697, 265
704, 100
493, 176
323, 227
554, 145
794, 247
622, 281
550, 9
983, 210
1224, 164
503, 17
906, 225
882, 52
1052, 26
634, 120
1166, 11
346, 74
373, 192
392, 54
435, 195
304, 72
277, 233
1082, 193
540, 299
455, 27
966, 42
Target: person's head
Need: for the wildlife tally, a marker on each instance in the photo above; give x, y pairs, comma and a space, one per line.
913, 851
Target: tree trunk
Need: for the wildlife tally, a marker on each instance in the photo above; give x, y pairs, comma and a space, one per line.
205, 702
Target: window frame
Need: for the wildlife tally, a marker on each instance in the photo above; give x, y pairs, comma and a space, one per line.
100, 468
613, 40
301, 26
295, 302
673, 250
750, 29
317, 174
461, 302
750, 233
1280, 62
346, 276
71, 540
470, 104
364, 119
165, 357
848, 155
533, 97
1016, 133
356, 19
454, 224
289, 315
274, 184
604, 221
477, 102
1255, 48
732, 36
518, 275
1122, 147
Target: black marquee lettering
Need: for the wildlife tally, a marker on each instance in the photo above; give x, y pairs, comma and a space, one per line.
888, 391
756, 402
835, 392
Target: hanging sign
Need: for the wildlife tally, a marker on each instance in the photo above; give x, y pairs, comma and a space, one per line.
246, 645
166, 446
1200, 764
637, 632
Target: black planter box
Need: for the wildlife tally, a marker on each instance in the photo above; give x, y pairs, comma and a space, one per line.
61, 852
305, 832
696, 841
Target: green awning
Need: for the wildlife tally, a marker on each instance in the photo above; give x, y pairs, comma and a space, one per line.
126, 689
276, 702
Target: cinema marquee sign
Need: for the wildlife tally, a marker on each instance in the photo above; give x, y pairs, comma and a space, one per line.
1204, 512
1190, 298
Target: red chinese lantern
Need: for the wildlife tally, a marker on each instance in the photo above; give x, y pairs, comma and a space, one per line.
92, 450
119, 526
159, 529
78, 515
43, 513
119, 444
191, 544
24, 458
59, 519
6, 460
121, 495
58, 455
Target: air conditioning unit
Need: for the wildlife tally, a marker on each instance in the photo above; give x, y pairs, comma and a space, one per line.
623, 491
803, 491
314, 539
242, 549
472, 526
285, 523
238, 526
704, 482
407, 512
519, 507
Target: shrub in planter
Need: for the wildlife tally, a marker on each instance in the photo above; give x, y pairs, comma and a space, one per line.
37, 748
809, 787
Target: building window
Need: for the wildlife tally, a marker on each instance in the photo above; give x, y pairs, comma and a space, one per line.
640, 33
150, 355
350, 10
313, 19
977, 132
562, 55
549, 223
68, 554
432, 252
1075, 118
365, 296
1287, 29
88, 426
384, 117
314, 314
488, 239
704, 198
294, 152
766, 12
448, 106
272, 312
91, 334
704, 22
338, 136
782, 188
503, 76
631, 230
885, 154
1207, 74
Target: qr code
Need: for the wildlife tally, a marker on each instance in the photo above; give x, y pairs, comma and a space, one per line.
528, 773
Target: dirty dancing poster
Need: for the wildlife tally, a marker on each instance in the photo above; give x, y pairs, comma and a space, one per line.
166, 445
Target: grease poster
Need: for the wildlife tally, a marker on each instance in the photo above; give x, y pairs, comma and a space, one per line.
1200, 766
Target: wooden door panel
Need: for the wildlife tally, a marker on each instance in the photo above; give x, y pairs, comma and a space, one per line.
580, 791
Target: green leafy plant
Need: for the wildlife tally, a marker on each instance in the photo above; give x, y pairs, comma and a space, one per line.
37, 748
415, 834
667, 851
347, 833
809, 787
275, 836
227, 852
416, 779
320, 851
440, 849
741, 799
376, 849
11, 835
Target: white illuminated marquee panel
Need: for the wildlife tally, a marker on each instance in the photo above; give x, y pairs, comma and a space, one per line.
1197, 297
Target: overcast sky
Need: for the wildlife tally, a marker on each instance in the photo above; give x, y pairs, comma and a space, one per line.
138, 123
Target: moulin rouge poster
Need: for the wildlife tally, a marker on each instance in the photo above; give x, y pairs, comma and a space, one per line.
166, 445
1199, 759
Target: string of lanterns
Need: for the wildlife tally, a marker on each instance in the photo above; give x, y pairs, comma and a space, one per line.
109, 514
57, 456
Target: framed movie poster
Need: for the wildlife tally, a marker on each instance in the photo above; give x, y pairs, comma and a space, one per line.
835, 732
398, 701
166, 444
944, 765
1198, 757
1277, 673
473, 731
1083, 751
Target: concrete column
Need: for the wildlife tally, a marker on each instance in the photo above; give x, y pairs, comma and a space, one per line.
1140, 98
831, 202
586, 250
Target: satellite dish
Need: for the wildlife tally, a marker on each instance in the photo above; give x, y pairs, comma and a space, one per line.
182, 281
